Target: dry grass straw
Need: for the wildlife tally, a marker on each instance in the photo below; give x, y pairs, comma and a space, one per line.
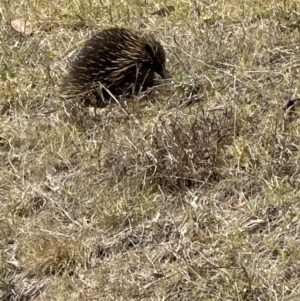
188, 193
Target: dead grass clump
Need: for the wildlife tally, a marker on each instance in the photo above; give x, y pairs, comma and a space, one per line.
186, 150
51, 255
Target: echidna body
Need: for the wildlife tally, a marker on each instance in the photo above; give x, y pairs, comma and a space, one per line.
122, 61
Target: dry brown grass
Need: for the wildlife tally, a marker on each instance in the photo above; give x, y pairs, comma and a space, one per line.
189, 193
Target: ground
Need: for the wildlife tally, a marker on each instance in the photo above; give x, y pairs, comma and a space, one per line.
188, 192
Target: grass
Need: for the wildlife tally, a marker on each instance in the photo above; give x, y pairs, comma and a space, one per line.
188, 193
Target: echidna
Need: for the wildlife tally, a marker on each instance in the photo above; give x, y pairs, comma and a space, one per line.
116, 59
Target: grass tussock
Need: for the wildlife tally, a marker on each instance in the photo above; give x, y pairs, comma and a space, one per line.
189, 192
